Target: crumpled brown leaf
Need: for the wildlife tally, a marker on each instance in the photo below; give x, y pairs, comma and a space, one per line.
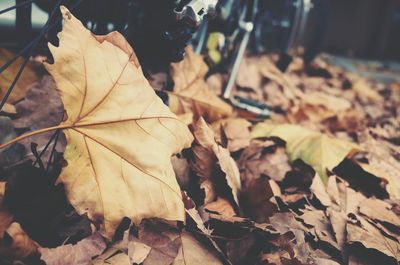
163, 240
320, 226
361, 231
256, 199
32, 115
263, 158
14, 242
382, 161
235, 130
42, 106
317, 106
366, 93
208, 153
221, 206
6, 218
191, 92
379, 211
78, 254
192, 252
19, 245
299, 249
27, 77
112, 257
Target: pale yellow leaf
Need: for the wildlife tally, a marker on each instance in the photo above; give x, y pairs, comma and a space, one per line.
120, 135
316, 149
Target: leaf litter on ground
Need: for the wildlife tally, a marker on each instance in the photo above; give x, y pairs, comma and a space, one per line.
315, 184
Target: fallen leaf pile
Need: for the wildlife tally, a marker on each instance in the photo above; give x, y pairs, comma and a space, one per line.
96, 169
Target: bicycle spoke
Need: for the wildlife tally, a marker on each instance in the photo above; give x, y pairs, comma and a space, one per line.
30, 48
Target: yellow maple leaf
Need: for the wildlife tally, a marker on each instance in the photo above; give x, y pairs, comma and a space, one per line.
120, 135
319, 151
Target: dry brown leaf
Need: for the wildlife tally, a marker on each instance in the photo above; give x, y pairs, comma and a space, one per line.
361, 231
9, 109
379, 211
78, 254
164, 241
20, 246
366, 93
352, 120
191, 210
31, 111
275, 97
112, 257
199, 220
207, 153
330, 102
256, 199
138, 252
281, 257
263, 158
129, 250
181, 168
5, 217
120, 135
216, 82
249, 75
320, 226
284, 223
338, 220
191, 92
353, 200
27, 78
2, 190
7, 131
210, 193
269, 70
193, 253
236, 131
343, 198
332, 190
221, 206
383, 164
318, 188
318, 106
32, 115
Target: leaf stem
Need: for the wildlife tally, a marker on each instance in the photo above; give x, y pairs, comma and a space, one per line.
27, 135
74, 125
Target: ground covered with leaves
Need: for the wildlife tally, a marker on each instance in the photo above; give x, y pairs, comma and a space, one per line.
95, 169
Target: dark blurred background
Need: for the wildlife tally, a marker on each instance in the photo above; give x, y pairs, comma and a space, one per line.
368, 29
361, 28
